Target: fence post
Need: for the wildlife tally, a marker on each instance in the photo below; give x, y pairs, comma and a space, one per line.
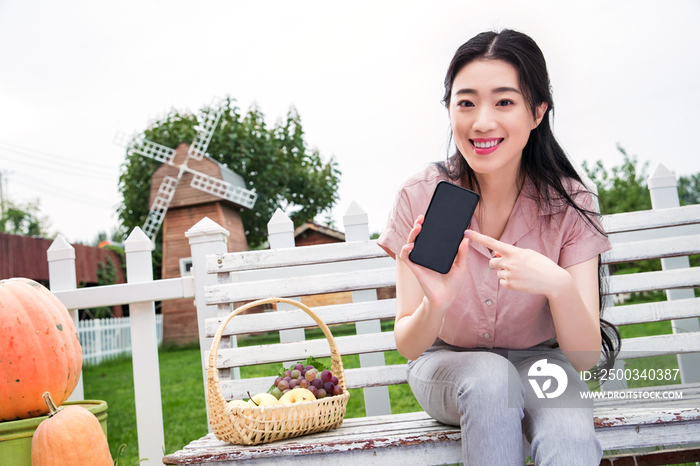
62, 277
144, 353
377, 401
280, 234
206, 237
663, 190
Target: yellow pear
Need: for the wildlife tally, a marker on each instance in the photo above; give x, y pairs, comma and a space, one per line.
297, 395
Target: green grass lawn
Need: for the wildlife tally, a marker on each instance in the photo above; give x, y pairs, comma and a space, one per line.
182, 392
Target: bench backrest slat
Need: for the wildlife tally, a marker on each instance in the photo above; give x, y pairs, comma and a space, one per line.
653, 249
284, 257
650, 219
355, 378
301, 286
675, 343
300, 350
653, 312
652, 281
289, 319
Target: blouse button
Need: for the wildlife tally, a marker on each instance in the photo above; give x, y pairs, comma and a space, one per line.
486, 335
489, 302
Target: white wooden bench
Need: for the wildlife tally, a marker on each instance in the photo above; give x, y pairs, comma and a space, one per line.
415, 438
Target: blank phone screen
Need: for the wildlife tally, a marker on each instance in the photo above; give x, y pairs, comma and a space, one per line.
448, 215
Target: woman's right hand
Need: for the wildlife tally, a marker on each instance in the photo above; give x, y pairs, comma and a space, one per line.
439, 289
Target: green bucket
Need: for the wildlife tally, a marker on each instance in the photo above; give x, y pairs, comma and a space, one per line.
16, 436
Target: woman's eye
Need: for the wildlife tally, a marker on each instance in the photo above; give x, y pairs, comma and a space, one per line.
504, 103
465, 103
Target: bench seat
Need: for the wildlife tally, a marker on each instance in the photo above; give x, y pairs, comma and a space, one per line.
416, 436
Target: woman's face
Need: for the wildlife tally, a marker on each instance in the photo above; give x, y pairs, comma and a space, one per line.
491, 121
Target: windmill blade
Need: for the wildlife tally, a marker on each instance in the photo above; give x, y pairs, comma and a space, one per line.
139, 145
160, 206
211, 185
205, 130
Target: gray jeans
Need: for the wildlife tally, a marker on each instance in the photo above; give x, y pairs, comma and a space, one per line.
491, 399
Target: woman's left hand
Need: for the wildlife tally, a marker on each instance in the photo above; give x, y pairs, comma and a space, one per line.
522, 269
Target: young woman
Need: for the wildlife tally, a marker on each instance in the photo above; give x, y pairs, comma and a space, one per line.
524, 286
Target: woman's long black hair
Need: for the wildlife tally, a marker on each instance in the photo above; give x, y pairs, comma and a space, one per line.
544, 163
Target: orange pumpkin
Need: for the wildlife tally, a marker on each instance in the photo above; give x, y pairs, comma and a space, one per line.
39, 349
71, 435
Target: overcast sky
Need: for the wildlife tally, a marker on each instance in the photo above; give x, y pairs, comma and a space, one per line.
366, 77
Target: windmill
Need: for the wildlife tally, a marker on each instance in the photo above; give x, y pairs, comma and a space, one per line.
188, 186
208, 120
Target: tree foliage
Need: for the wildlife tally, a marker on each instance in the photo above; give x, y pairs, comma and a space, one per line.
623, 190
689, 189
275, 162
23, 219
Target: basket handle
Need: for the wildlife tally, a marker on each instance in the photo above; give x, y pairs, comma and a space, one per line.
213, 382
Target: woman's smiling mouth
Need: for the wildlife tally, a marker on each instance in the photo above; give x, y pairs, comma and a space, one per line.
485, 146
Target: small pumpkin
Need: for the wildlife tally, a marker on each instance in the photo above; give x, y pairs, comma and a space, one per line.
39, 349
71, 435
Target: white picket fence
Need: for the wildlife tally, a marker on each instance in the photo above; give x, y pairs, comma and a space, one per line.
141, 291
106, 338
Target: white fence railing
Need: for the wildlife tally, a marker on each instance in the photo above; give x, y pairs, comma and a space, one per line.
106, 338
205, 238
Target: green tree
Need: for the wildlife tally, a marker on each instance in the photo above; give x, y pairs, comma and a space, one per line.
689, 189
23, 219
275, 162
623, 190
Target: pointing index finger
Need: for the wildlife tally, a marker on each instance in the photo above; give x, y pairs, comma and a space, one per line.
487, 241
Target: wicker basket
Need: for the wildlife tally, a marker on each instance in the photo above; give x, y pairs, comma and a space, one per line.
253, 425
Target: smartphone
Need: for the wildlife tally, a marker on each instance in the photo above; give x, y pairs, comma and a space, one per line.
450, 210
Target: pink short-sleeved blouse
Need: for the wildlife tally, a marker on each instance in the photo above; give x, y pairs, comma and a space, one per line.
485, 314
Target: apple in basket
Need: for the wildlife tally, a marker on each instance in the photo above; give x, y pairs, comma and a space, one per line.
298, 395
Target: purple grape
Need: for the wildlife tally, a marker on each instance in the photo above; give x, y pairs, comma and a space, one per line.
287, 373
321, 393
334, 379
283, 385
337, 390
295, 374
277, 380
303, 383
299, 367
313, 390
318, 383
310, 367
287, 379
326, 376
310, 376
293, 383
328, 386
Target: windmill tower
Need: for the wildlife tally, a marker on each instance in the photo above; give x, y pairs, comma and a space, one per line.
188, 186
